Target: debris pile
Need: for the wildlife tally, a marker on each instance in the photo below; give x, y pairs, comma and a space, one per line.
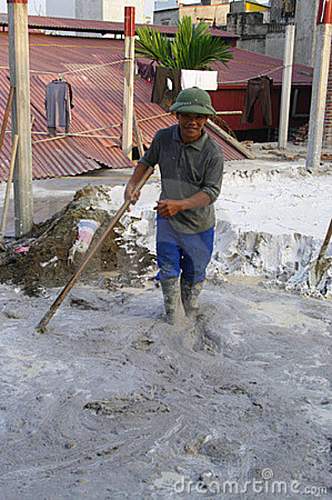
55, 248
301, 134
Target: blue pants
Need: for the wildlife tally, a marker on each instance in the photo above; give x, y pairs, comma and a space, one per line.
182, 252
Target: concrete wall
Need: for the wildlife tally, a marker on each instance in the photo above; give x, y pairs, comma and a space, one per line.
165, 4
255, 44
60, 8
210, 14
246, 23
167, 17
305, 18
276, 11
91, 9
275, 45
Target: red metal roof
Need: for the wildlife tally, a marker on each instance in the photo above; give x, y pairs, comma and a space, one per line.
247, 64
98, 95
103, 27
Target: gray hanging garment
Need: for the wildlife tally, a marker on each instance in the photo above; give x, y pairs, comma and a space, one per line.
58, 105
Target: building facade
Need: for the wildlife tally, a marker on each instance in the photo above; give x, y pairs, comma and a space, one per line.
101, 10
213, 12
269, 37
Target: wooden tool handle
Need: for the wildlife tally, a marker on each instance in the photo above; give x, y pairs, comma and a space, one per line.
41, 328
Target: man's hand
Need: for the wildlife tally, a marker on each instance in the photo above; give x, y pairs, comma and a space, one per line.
169, 208
131, 195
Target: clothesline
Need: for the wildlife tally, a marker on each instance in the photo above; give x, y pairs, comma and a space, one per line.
94, 67
85, 133
69, 72
120, 124
257, 76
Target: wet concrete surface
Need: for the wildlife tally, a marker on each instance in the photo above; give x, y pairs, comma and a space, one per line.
114, 403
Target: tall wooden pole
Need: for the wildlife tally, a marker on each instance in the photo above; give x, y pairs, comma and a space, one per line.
21, 114
128, 95
286, 85
319, 84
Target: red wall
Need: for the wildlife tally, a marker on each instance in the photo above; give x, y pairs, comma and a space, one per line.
233, 99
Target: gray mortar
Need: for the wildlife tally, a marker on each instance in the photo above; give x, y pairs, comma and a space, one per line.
114, 403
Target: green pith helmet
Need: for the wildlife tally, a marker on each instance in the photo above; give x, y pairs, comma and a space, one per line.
194, 100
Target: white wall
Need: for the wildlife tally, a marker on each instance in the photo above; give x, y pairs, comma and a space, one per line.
114, 10
36, 7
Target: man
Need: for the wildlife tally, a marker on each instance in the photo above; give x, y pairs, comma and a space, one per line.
191, 167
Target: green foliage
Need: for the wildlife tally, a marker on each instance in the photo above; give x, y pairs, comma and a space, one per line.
192, 48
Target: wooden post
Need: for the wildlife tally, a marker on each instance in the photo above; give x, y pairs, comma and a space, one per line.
128, 95
286, 85
21, 117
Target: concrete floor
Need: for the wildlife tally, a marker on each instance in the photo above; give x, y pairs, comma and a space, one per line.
113, 403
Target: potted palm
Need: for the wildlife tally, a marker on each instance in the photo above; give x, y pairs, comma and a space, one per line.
193, 47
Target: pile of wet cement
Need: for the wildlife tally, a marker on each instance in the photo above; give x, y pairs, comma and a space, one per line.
47, 264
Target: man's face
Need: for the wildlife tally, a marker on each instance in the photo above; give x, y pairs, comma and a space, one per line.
191, 126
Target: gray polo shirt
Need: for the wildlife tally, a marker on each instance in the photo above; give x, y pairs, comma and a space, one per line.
187, 169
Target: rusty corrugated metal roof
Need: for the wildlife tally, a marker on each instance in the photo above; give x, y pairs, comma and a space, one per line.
246, 64
102, 27
98, 95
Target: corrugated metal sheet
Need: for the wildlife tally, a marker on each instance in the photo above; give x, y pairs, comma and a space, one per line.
98, 95
103, 27
247, 64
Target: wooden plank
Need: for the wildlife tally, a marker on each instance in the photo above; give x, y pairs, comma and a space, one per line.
6, 116
139, 136
8, 187
230, 140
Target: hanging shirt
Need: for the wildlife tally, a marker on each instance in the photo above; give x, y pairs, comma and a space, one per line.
58, 104
259, 91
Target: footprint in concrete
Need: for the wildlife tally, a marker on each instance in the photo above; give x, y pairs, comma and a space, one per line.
143, 343
221, 451
207, 338
138, 405
83, 304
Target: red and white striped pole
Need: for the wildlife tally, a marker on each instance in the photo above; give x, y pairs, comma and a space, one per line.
128, 95
18, 34
319, 84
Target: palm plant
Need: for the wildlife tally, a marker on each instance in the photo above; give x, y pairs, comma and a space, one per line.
192, 48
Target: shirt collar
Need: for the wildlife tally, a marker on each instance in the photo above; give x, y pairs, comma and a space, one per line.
196, 145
